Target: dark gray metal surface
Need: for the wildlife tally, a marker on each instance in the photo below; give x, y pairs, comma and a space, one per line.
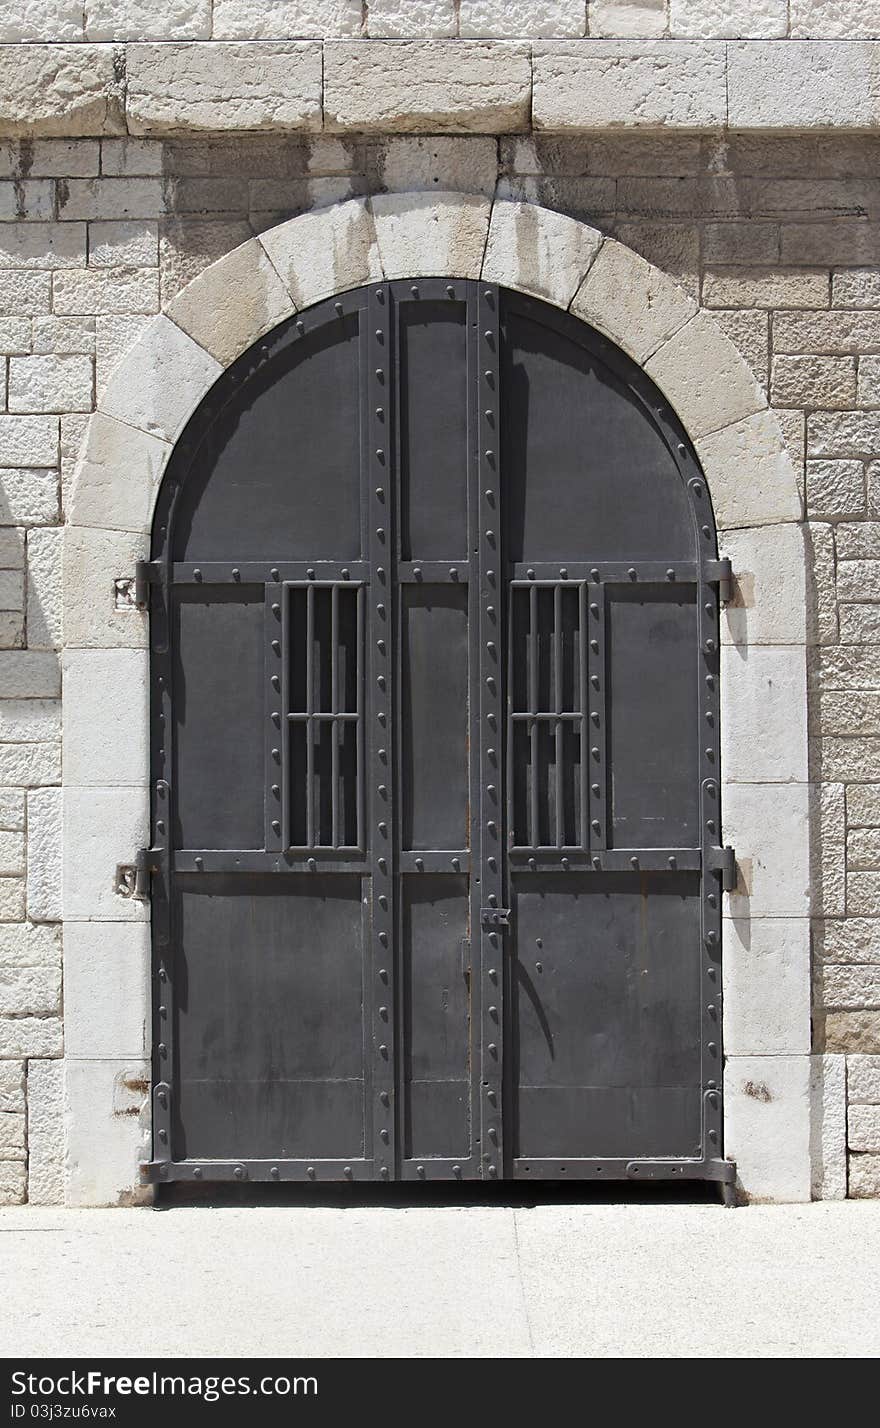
435, 875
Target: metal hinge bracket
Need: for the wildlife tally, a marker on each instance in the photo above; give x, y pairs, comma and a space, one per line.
133, 879
492, 918
720, 573
145, 572
723, 861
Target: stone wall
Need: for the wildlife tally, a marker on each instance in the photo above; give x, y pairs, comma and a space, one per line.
779, 238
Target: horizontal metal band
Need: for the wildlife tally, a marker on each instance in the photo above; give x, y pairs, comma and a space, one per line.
616, 860
434, 860
256, 860
723, 1171
432, 572
607, 572
261, 1171
263, 572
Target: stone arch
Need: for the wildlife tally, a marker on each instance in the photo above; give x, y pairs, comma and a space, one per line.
143, 410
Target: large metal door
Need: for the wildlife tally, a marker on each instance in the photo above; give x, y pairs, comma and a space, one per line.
435, 876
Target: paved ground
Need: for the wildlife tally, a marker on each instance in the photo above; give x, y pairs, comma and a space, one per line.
548, 1280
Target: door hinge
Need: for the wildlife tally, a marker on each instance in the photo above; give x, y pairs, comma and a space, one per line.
720, 573
494, 917
133, 879
145, 573
723, 861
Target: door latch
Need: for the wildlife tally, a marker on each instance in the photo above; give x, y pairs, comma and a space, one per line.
493, 918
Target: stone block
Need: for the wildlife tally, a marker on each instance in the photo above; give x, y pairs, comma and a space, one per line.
30, 765
15, 334
767, 1126
28, 497
47, 1132
828, 1127
835, 489
127, 158
117, 476
178, 88
44, 588
728, 19
669, 84
30, 991
627, 19
768, 825
12, 1137
51, 384
64, 335
843, 434
852, 1031
164, 378
869, 382
834, 19
770, 287
42, 245
850, 987
96, 291
102, 828
749, 331
11, 854
25, 294
851, 714
747, 466
764, 730
705, 379
835, 86
420, 235
41, 20
27, 675
105, 742
766, 986
45, 824
858, 580
863, 801
92, 618
864, 1177
12, 809
539, 252
835, 333
115, 334
27, 1036
862, 1080
632, 301
232, 303
29, 721
414, 162
859, 624
170, 20
863, 1128
12, 900
254, 20
108, 1131
408, 19
129, 243
114, 199
807, 381
26, 945
56, 89
857, 939
855, 287
320, 253
13, 1182
28, 441
12, 1086
427, 86
106, 989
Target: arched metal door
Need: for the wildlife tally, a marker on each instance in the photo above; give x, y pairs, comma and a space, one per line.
436, 883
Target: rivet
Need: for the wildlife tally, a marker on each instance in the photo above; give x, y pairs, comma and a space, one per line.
274, 1172
310, 1171
453, 573
417, 573
310, 573
493, 1172
456, 1169
197, 575
414, 290
595, 752
238, 1172
565, 864
530, 574
490, 455
712, 1048
380, 611
488, 376
312, 865
347, 1172
456, 865
384, 1172
379, 334
338, 306
420, 865
345, 574
450, 292
670, 575
634, 862
488, 336
379, 373
300, 327
200, 863
673, 863
420, 1170
493, 1049
711, 938
596, 826
632, 573
532, 864
197, 1173
275, 574
276, 826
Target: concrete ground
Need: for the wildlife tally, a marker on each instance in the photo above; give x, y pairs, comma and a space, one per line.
559, 1279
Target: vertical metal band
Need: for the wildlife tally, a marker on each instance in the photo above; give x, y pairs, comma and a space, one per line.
594, 751
278, 654
164, 962
490, 573
380, 791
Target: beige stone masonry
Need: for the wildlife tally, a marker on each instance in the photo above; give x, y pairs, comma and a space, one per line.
651, 84
233, 303
172, 88
326, 252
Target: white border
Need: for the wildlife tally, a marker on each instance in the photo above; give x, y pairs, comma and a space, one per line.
147, 402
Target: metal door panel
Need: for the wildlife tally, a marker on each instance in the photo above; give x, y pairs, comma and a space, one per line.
433, 375
434, 716
270, 1038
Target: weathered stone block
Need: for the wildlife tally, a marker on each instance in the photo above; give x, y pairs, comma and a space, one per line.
853, 713
767, 1125
44, 588
323, 252
97, 291
423, 234
30, 765
59, 89
433, 86
764, 731
172, 20
42, 245
29, 721
30, 1036
28, 441
767, 986
767, 824
863, 1128
28, 497
632, 301
51, 384
12, 809
769, 287
25, 945
41, 20
827, 333
858, 580
12, 900
855, 939
705, 379
127, 158
166, 374
862, 1079
835, 488
869, 382
64, 335
30, 991
843, 434
749, 331
102, 828
45, 823
844, 759
233, 303
12, 1136
12, 1182
768, 494
24, 675
108, 1131
850, 988
864, 1177
117, 476
828, 1127
92, 619
627, 19
728, 19
409, 163
11, 854
129, 243
283, 19
859, 624
812, 89
852, 1031
546, 254
407, 19
16, 335
115, 334
11, 1086
808, 381
106, 988
173, 88
834, 19
105, 746
47, 1136
654, 84
24, 294
863, 799
855, 287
